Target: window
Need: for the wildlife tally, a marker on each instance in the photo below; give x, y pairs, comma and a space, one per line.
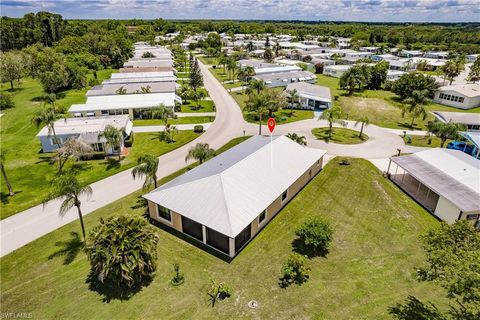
461, 99
218, 241
262, 216
57, 140
318, 162
284, 196
164, 213
472, 216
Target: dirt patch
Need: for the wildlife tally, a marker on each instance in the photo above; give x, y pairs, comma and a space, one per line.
368, 103
381, 191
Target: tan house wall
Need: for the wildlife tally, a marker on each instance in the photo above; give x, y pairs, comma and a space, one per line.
277, 205
176, 218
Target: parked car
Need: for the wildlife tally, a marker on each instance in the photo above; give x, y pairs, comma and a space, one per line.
460, 145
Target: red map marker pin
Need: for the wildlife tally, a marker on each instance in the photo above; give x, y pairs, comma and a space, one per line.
271, 124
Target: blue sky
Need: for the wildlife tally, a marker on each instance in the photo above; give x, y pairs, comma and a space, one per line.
345, 10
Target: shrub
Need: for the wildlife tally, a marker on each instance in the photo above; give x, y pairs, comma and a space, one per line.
198, 129
315, 235
219, 291
6, 101
178, 278
294, 270
122, 251
129, 141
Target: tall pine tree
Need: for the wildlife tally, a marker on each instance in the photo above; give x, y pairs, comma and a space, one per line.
196, 79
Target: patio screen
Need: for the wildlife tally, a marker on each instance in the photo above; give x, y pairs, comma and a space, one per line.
218, 240
242, 238
192, 228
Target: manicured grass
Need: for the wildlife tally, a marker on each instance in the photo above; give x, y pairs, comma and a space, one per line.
370, 265
208, 60
30, 171
222, 76
423, 141
340, 135
181, 120
205, 106
282, 116
380, 106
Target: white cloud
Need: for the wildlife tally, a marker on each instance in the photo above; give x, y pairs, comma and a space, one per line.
347, 10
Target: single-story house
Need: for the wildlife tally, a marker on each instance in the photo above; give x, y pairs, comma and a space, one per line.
401, 64
281, 79
463, 96
410, 53
343, 43
89, 130
133, 105
393, 75
335, 70
148, 63
446, 182
312, 96
147, 69
386, 56
276, 69
472, 57
437, 54
354, 56
131, 88
470, 120
257, 53
369, 49
474, 138
245, 186
256, 64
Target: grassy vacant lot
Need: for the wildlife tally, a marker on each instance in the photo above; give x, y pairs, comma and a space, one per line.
205, 106
281, 116
339, 135
380, 106
181, 120
423, 141
370, 266
207, 60
30, 171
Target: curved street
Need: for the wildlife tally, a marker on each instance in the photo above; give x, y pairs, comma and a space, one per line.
26, 226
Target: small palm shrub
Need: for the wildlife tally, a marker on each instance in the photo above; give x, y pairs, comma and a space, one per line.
122, 251
178, 278
198, 128
294, 270
315, 235
219, 291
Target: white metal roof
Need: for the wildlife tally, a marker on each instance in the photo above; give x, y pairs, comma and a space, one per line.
227, 192
125, 101
140, 79
458, 117
312, 91
88, 125
468, 90
276, 69
129, 75
450, 173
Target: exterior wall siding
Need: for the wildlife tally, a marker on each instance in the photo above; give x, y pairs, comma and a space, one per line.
446, 210
277, 205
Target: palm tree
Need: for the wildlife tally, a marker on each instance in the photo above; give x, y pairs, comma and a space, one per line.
114, 138
293, 99
257, 103
255, 85
200, 152
364, 121
163, 113
67, 187
147, 166
224, 60
332, 115
232, 67
353, 77
184, 92
301, 140
415, 105
445, 130
3, 154
47, 116
50, 98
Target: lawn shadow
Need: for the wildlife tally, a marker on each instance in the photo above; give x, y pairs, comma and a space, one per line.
44, 158
407, 126
284, 283
113, 291
112, 163
68, 248
5, 196
140, 203
299, 247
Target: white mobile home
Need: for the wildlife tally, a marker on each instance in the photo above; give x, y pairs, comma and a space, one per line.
335, 70
312, 96
88, 130
464, 96
446, 182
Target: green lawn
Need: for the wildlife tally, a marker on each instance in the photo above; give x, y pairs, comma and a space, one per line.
370, 266
205, 106
380, 106
208, 60
423, 141
282, 116
181, 120
222, 76
30, 171
340, 135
